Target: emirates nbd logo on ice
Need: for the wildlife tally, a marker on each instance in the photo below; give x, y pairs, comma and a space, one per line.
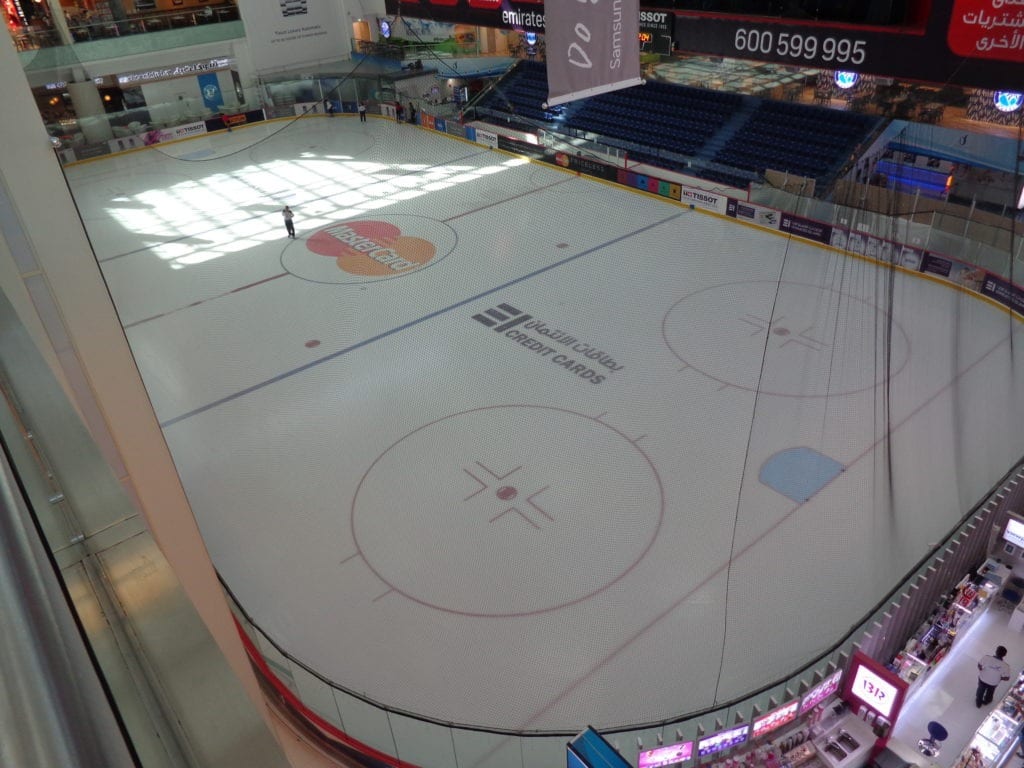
556, 345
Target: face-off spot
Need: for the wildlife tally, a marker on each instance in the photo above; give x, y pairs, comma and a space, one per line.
495, 512
786, 339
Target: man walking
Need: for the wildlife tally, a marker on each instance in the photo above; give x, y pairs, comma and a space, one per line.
288, 223
992, 670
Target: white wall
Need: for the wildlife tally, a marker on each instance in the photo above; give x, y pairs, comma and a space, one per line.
60, 296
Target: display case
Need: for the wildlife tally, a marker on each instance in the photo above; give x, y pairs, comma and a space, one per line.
935, 637
996, 737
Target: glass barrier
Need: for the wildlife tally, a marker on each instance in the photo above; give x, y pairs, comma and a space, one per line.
352, 723
145, 637
984, 245
348, 721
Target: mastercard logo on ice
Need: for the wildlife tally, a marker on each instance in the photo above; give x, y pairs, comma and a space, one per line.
370, 249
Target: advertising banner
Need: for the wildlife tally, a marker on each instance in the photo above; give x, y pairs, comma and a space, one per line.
592, 48
286, 33
158, 135
487, 138
522, 15
756, 214
1004, 292
950, 45
806, 228
662, 757
520, 147
987, 29
704, 199
651, 184
973, 54
210, 89
229, 121
936, 265
584, 165
656, 31
967, 275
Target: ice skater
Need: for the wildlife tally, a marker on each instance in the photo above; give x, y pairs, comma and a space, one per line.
288, 223
362, 111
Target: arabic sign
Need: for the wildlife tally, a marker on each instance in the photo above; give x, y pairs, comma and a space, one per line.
988, 29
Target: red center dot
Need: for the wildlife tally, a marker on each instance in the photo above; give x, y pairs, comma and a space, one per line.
507, 493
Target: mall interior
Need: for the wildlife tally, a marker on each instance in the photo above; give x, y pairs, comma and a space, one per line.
125, 646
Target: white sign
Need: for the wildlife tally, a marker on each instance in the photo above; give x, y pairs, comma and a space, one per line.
704, 199
873, 690
283, 34
167, 73
487, 138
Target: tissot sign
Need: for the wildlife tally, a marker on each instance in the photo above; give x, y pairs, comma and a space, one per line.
657, 30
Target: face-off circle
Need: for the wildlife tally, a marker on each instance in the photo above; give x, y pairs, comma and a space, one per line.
369, 249
786, 339
507, 510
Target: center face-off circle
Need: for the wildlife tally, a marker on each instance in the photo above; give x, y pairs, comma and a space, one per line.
369, 249
507, 510
787, 339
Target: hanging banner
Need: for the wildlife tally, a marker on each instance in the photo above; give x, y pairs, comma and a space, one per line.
592, 47
210, 88
283, 34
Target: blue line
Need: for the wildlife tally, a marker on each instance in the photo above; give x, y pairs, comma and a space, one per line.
411, 323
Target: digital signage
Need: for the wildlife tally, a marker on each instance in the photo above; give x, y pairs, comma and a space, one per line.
776, 719
870, 684
723, 740
662, 756
821, 691
977, 43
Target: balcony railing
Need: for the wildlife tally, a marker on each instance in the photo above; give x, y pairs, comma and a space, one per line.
83, 29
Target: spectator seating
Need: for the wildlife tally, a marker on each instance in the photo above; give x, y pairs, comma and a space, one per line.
667, 126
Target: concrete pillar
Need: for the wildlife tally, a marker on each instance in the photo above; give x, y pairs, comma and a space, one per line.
92, 118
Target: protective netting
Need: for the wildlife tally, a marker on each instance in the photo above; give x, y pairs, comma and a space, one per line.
602, 459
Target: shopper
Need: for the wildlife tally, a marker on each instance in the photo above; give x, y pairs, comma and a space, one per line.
992, 670
288, 223
362, 111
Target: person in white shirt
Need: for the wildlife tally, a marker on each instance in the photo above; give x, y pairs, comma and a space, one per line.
288, 223
992, 670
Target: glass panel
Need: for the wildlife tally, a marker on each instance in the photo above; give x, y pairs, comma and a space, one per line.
426, 745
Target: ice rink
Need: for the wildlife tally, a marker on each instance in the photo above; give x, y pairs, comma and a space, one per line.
506, 447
